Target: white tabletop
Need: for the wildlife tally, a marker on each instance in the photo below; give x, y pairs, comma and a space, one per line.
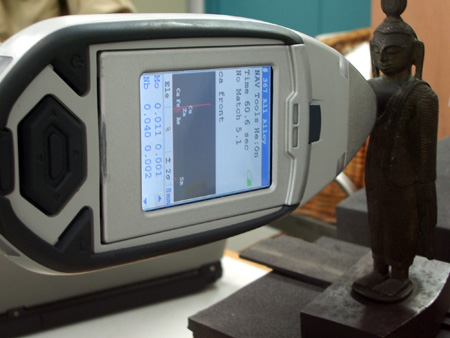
165, 319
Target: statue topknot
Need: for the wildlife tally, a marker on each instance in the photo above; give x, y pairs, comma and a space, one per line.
393, 8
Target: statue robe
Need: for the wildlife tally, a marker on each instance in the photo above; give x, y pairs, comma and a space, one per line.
401, 158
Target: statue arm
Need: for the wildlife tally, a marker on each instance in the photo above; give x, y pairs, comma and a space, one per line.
427, 109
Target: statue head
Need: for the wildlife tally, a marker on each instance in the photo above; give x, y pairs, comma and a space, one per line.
394, 46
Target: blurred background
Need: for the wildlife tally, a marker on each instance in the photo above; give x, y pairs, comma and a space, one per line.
311, 17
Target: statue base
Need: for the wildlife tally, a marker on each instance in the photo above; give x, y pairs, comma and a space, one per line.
309, 294
340, 312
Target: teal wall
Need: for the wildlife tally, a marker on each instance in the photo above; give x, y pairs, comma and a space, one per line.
311, 17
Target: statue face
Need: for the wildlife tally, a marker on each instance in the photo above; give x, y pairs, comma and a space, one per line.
392, 53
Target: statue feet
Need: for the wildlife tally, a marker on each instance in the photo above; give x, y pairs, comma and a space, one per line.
370, 280
381, 288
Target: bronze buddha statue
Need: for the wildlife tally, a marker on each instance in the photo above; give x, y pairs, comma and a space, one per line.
401, 159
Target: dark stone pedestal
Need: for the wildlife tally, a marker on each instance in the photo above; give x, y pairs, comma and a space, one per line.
294, 300
338, 312
267, 308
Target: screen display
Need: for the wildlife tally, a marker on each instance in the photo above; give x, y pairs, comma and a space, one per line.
204, 134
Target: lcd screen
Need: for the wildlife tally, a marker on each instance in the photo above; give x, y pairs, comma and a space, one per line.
204, 134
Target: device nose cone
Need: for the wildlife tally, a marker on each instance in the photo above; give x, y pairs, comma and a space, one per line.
362, 112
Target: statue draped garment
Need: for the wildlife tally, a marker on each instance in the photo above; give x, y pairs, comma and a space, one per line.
402, 156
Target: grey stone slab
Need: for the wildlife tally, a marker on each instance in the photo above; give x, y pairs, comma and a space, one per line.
301, 260
336, 245
444, 333
352, 221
